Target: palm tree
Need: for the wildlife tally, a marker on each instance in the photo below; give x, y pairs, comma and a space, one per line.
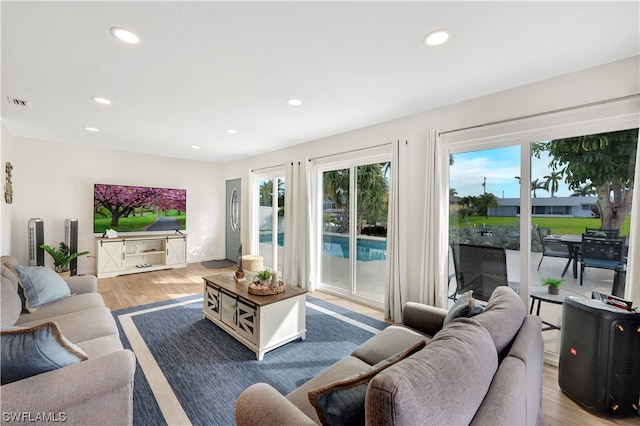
584, 191
552, 181
486, 201
452, 192
536, 184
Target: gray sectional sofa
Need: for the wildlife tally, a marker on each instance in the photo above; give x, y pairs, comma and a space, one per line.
483, 370
97, 390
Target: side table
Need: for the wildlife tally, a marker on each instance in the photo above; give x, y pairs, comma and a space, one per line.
541, 294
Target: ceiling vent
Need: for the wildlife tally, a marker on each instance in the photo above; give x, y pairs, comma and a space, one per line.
19, 102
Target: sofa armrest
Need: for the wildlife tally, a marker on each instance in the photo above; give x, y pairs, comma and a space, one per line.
62, 389
79, 284
261, 405
423, 318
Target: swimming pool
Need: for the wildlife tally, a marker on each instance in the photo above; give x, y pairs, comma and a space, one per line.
367, 250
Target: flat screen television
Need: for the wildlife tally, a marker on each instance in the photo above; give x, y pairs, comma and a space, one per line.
138, 208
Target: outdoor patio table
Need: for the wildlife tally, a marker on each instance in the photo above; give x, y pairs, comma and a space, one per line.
573, 243
541, 294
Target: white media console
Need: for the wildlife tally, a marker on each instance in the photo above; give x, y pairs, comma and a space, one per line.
132, 254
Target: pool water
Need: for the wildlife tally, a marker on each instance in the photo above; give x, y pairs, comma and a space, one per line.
338, 245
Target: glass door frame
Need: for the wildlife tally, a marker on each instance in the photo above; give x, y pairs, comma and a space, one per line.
275, 174
617, 115
351, 161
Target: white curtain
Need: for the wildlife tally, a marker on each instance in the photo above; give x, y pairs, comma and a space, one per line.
632, 289
311, 220
396, 270
435, 251
295, 225
249, 210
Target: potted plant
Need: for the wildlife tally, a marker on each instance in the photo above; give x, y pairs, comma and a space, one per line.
553, 284
61, 257
264, 277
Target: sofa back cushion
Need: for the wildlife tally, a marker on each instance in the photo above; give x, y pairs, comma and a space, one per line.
39, 286
11, 305
444, 383
502, 316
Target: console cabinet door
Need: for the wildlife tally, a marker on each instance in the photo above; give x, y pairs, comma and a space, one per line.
110, 256
228, 308
212, 301
247, 320
176, 251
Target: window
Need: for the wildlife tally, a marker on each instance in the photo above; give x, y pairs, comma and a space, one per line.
555, 185
269, 229
353, 226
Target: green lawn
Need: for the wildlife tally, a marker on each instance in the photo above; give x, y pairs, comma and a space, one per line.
558, 225
135, 223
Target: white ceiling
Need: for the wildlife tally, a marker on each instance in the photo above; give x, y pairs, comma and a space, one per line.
205, 67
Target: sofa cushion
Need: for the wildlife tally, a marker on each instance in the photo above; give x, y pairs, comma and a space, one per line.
35, 350
75, 303
465, 307
11, 306
101, 346
82, 325
342, 402
444, 383
393, 339
39, 286
502, 316
345, 367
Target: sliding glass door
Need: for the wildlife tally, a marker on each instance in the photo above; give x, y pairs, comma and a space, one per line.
352, 248
270, 226
484, 210
546, 192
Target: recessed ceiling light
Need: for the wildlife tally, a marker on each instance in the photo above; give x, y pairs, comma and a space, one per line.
195, 147
438, 37
294, 102
91, 129
232, 131
125, 35
101, 100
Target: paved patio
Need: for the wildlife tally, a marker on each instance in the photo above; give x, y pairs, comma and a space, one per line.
594, 279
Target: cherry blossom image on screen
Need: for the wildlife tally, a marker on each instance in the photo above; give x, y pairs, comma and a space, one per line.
138, 208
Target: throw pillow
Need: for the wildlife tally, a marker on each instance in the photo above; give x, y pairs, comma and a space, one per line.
39, 286
27, 351
465, 307
342, 403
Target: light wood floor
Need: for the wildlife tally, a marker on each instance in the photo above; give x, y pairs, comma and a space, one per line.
148, 287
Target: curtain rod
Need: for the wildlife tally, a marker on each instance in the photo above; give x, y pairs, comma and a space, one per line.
348, 152
268, 167
540, 114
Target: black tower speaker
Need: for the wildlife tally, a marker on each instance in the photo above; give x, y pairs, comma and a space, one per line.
599, 365
35, 240
71, 240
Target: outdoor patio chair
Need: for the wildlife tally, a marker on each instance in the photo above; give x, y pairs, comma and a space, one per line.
602, 233
603, 253
481, 269
553, 247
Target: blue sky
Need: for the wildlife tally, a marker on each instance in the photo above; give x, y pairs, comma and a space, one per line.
500, 166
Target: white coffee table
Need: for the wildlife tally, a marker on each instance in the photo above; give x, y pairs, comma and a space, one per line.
261, 323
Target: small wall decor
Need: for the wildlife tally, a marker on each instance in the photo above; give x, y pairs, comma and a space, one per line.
8, 188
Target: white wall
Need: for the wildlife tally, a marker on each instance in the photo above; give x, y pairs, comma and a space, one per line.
601, 83
54, 181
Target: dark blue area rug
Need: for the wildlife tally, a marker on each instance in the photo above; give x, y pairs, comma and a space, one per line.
207, 369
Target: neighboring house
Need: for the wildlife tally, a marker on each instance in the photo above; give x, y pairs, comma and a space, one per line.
552, 207
454, 204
